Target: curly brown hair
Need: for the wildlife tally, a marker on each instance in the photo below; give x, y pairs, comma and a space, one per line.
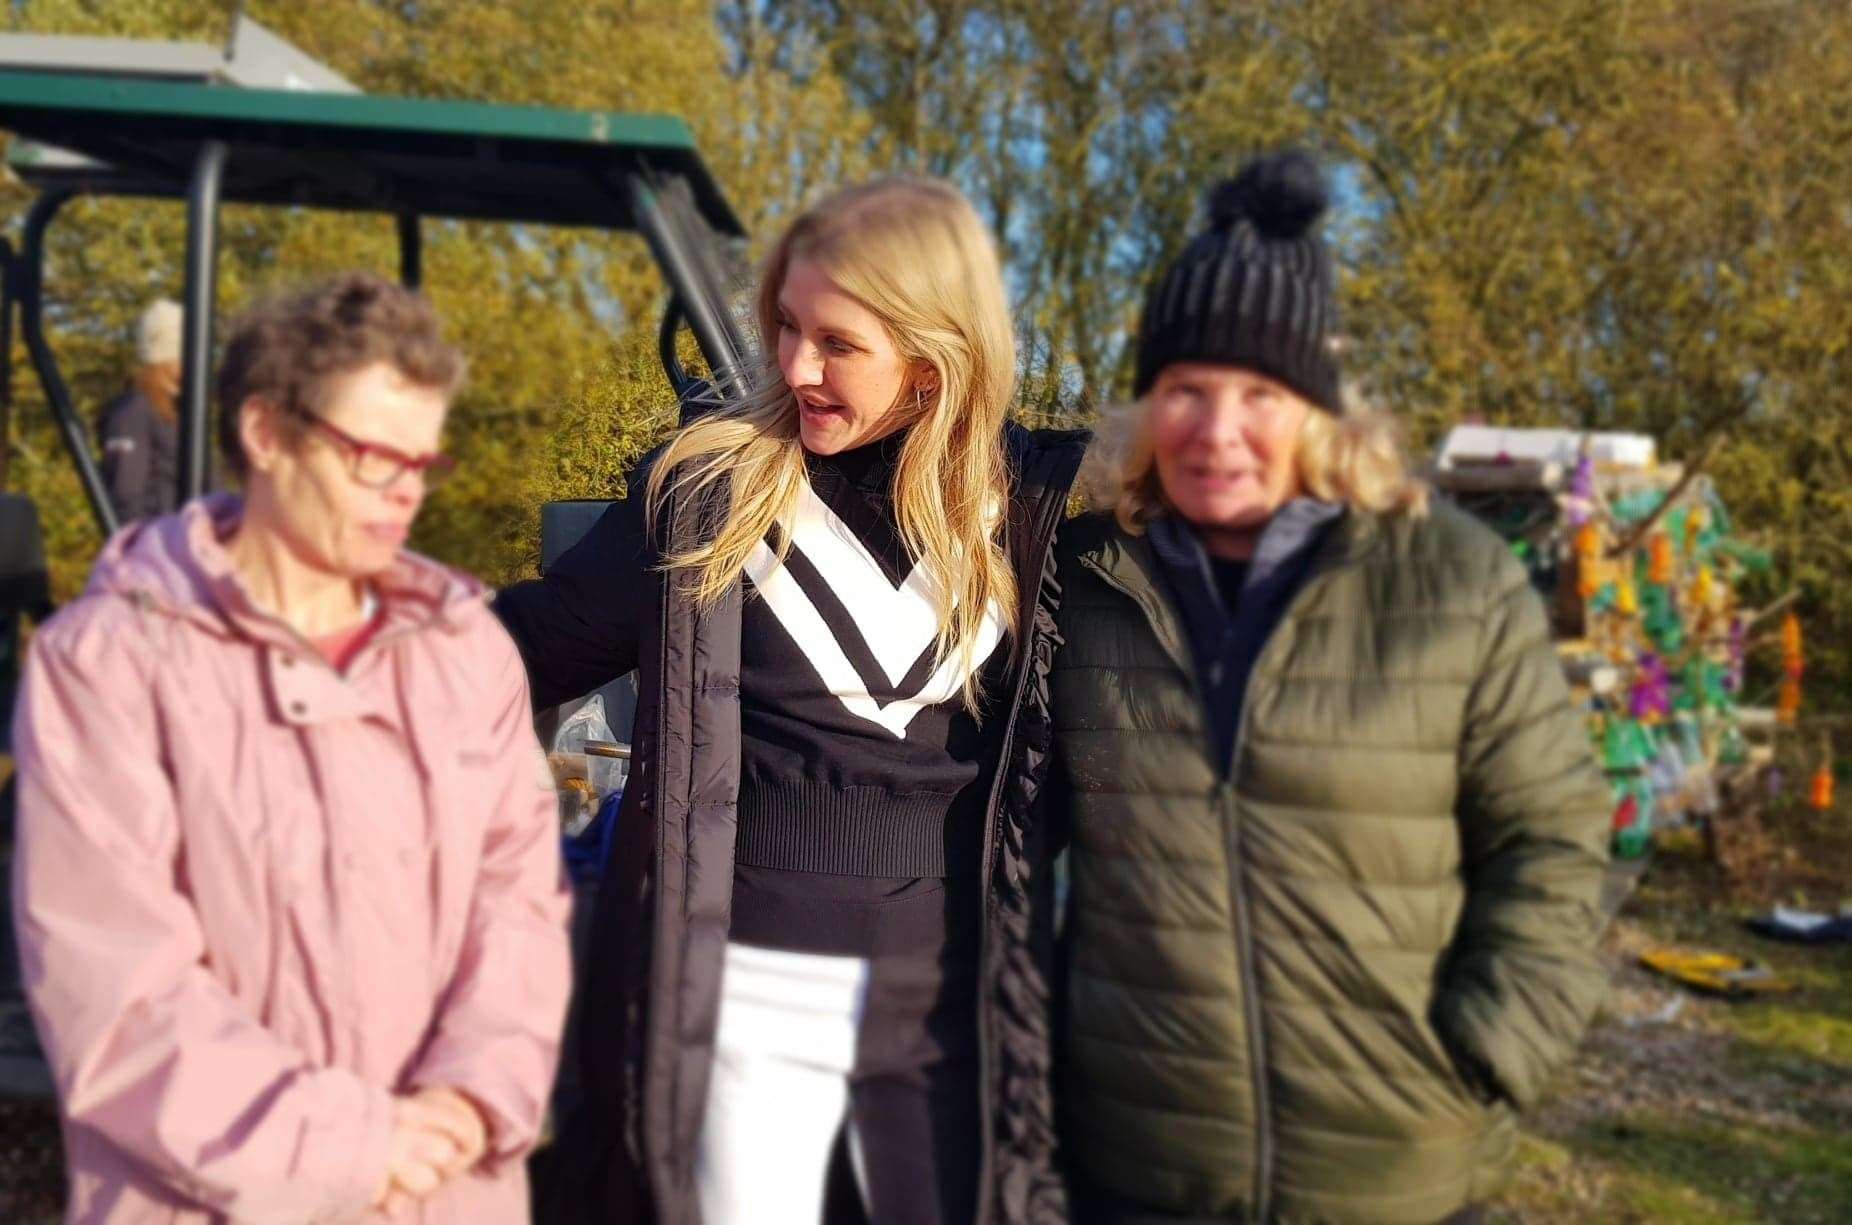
289, 349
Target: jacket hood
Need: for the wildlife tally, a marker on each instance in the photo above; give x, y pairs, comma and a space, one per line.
178, 565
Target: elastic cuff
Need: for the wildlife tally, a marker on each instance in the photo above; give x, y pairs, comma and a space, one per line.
372, 1147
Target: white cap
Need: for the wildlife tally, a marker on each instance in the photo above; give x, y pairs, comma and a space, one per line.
157, 335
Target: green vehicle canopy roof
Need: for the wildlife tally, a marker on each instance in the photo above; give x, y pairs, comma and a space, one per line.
116, 135
472, 160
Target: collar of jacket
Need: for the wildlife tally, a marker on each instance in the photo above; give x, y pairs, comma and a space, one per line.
178, 565
1292, 530
1136, 564
1225, 642
1278, 560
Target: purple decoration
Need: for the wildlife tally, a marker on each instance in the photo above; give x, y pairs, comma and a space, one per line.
1582, 492
1652, 689
1777, 783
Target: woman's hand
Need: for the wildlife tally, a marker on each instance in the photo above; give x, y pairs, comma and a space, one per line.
463, 1124
436, 1135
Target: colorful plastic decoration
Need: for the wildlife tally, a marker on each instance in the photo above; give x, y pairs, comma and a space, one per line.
1625, 745
1618, 747
1659, 564
1719, 513
1635, 506
1588, 559
1668, 633
1662, 621
1632, 840
1793, 661
1652, 690
1715, 688
1581, 503
1739, 654
1675, 531
1820, 794
1666, 771
1793, 667
1788, 702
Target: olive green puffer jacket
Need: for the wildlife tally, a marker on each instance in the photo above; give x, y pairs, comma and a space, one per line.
1312, 987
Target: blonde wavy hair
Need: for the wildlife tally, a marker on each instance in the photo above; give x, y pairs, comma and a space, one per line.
1356, 458
915, 252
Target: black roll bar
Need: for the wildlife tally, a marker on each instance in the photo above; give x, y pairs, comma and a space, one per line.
663, 209
30, 268
202, 276
673, 316
697, 294
411, 251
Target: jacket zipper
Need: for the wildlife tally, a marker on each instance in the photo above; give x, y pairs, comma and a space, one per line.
1250, 997
1244, 935
1042, 542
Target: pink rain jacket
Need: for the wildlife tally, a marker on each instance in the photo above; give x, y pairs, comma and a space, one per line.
256, 898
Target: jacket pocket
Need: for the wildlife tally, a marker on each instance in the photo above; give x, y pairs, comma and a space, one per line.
1471, 1077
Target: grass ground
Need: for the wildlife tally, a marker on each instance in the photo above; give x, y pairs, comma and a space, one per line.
1687, 1109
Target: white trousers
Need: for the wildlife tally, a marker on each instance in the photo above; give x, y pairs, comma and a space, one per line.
778, 1097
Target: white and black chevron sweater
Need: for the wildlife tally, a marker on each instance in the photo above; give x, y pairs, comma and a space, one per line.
859, 764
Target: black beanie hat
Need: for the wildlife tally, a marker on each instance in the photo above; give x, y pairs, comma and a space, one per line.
1254, 289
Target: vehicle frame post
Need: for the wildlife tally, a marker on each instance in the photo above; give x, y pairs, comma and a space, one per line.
202, 277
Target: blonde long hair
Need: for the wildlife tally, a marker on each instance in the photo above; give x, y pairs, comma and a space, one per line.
1356, 458
913, 251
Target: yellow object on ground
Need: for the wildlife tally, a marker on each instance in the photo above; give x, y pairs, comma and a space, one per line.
1717, 973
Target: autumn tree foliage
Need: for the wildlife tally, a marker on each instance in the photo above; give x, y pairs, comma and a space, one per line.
1614, 214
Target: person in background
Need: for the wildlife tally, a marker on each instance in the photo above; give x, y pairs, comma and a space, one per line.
139, 428
816, 925
288, 886
1338, 836
25, 592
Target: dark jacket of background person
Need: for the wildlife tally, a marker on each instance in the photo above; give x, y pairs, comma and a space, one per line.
1311, 979
25, 590
651, 983
141, 457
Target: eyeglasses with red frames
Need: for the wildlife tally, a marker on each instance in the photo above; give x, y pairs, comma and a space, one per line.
376, 465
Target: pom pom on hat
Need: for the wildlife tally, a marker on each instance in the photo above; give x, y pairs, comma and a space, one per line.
1282, 194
